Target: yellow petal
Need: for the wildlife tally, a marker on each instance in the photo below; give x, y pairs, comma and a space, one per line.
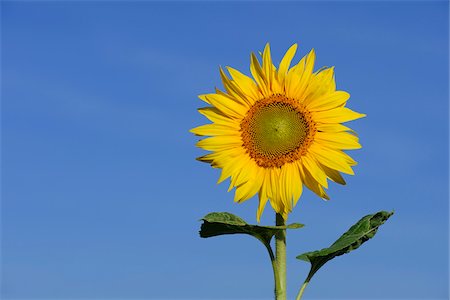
216, 116
338, 140
222, 158
336, 115
291, 184
333, 174
331, 158
299, 76
351, 162
245, 84
286, 62
292, 84
263, 195
230, 167
312, 184
250, 188
322, 83
227, 106
273, 189
243, 174
297, 184
203, 98
258, 75
220, 143
330, 127
234, 90
328, 101
310, 164
268, 66
285, 186
215, 129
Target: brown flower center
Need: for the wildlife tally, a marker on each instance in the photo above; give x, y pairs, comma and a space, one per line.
277, 130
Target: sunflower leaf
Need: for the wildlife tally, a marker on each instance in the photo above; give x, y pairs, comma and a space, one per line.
361, 232
220, 223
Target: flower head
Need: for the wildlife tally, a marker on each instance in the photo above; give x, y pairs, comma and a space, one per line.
278, 131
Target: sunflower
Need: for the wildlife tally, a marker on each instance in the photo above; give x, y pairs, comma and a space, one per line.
278, 131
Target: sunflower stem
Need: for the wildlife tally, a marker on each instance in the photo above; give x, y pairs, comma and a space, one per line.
302, 289
274, 267
311, 273
280, 260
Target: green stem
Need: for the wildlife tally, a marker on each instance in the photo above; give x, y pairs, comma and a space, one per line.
280, 261
305, 283
276, 276
302, 289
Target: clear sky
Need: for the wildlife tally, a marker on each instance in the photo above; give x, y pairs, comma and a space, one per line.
101, 192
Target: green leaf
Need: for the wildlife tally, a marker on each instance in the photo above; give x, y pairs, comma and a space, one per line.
362, 231
220, 223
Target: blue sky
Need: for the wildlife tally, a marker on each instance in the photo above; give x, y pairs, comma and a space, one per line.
101, 193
